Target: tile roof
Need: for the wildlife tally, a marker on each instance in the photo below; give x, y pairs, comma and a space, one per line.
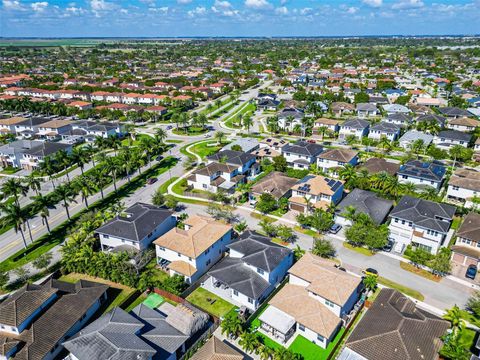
377, 165
342, 155
275, 183
470, 228
465, 178
215, 349
202, 233
395, 329
366, 202
136, 222
316, 184
424, 213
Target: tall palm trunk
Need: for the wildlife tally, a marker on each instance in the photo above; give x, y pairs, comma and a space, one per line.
66, 209
29, 230
23, 237
114, 181
46, 224
53, 182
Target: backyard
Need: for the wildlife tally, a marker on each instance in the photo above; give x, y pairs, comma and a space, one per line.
210, 302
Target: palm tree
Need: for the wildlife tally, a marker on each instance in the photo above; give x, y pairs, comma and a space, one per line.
33, 182
456, 152
232, 326
63, 160
409, 188
417, 146
115, 143
66, 194
219, 135
111, 166
385, 143
14, 187
127, 160
91, 151
161, 135
147, 146
348, 174
454, 315
393, 187
80, 157
370, 282
322, 130
86, 187
265, 353
43, 203
248, 122
249, 342
14, 216
48, 167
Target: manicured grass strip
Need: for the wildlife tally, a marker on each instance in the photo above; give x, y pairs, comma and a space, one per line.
117, 293
205, 149
358, 249
308, 232
191, 131
417, 271
203, 299
164, 187
403, 289
58, 234
135, 303
310, 351
173, 141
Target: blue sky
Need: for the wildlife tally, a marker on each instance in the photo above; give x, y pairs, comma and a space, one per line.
66, 18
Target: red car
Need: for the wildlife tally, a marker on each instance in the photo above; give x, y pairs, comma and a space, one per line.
151, 181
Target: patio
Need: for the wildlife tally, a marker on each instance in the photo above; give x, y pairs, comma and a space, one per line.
221, 290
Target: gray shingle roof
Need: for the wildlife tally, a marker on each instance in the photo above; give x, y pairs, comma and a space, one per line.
385, 127
367, 202
303, 148
400, 117
395, 329
136, 222
355, 124
454, 111
259, 251
424, 213
46, 148
454, 135
432, 118
423, 170
232, 157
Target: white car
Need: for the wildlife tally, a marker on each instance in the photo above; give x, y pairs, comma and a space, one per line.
207, 135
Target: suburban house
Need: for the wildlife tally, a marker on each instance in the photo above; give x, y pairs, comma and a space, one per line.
331, 160
394, 327
268, 104
194, 249
289, 117
254, 267
7, 126
135, 228
29, 127
377, 165
216, 349
224, 171
301, 154
340, 109
331, 125
432, 118
454, 112
143, 334
315, 191
422, 173
36, 319
28, 154
354, 127
422, 223
54, 128
247, 145
399, 119
313, 304
363, 202
395, 109
276, 184
464, 186
411, 136
384, 129
466, 250
464, 124
273, 144
448, 138
365, 110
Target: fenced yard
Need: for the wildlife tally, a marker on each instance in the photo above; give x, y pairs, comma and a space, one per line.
210, 302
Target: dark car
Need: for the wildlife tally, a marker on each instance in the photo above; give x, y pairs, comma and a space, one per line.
151, 181
471, 272
370, 271
159, 158
388, 247
169, 127
335, 228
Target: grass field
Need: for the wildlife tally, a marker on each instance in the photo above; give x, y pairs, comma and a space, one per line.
190, 131
421, 272
203, 149
403, 289
117, 293
200, 298
310, 351
358, 249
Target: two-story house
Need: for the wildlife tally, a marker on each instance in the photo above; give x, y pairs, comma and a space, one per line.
36, 319
422, 173
331, 125
135, 228
466, 250
254, 267
464, 124
447, 138
34, 152
422, 223
192, 250
411, 136
399, 119
224, 171
365, 110
454, 112
288, 118
315, 191
333, 159
29, 127
301, 154
384, 129
54, 128
464, 186
313, 303
432, 118
354, 127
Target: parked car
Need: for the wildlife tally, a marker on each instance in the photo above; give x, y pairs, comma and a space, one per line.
389, 246
471, 272
151, 181
207, 135
169, 127
159, 158
335, 228
370, 271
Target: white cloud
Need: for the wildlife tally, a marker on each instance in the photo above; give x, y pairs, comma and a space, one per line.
282, 10
100, 5
75, 10
351, 10
148, 2
124, 11
12, 5
222, 4
198, 11
39, 6
184, 2
258, 4
408, 4
306, 11
373, 3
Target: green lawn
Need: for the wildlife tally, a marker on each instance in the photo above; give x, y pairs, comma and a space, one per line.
191, 131
403, 289
219, 308
117, 293
246, 110
203, 149
467, 338
180, 187
310, 351
164, 187
9, 170
135, 303
173, 141
472, 319
358, 249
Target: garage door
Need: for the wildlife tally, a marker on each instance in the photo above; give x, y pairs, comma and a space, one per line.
297, 207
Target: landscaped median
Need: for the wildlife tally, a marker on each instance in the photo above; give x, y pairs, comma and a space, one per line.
58, 234
403, 289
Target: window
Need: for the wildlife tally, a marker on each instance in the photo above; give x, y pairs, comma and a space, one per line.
179, 255
204, 186
250, 300
208, 262
301, 327
260, 271
235, 292
455, 188
329, 303
106, 236
161, 248
320, 338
